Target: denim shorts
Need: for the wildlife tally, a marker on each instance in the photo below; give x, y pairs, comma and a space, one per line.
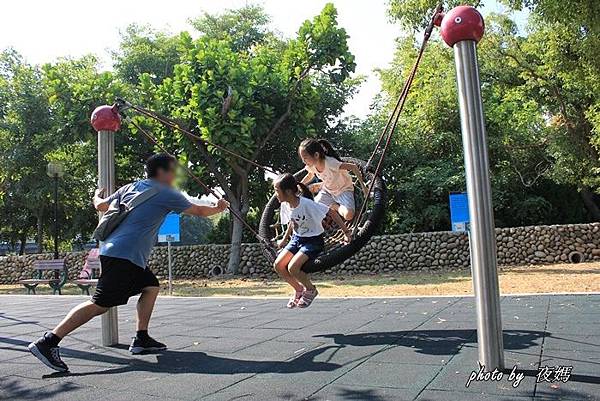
310, 246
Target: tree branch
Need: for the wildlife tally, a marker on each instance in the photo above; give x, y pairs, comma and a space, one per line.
282, 119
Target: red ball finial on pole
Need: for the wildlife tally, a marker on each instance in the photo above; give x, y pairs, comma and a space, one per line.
106, 118
462, 23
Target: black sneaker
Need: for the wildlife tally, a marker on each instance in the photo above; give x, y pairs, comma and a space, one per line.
148, 344
50, 356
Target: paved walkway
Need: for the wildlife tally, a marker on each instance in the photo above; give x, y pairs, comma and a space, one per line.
339, 349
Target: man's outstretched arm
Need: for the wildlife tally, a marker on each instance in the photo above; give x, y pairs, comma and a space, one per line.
205, 211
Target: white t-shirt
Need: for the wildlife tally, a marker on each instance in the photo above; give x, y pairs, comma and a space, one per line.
335, 181
307, 217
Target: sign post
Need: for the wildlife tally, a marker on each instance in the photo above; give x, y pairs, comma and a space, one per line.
459, 211
462, 27
169, 232
106, 121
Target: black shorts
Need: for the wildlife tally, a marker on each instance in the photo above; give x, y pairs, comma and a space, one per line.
119, 280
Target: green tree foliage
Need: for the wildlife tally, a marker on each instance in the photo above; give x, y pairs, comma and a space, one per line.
25, 129
557, 64
274, 88
195, 230
144, 50
425, 162
244, 28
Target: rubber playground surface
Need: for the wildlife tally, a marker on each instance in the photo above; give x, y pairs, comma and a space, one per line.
339, 349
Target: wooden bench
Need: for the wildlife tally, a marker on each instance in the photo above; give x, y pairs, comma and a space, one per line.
40, 275
91, 271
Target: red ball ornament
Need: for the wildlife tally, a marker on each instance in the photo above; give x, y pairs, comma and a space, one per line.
462, 23
106, 118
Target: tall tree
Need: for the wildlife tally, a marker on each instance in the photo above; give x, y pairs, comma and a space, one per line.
549, 72
144, 50
25, 137
273, 88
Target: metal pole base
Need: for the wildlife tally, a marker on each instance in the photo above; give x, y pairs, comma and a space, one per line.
106, 179
110, 327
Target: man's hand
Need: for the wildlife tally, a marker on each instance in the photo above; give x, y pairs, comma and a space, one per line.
222, 205
206, 210
100, 192
99, 203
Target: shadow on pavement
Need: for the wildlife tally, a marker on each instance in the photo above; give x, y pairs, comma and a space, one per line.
13, 388
189, 362
436, 342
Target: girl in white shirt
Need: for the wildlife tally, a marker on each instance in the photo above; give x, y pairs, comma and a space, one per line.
336, 187
304, 218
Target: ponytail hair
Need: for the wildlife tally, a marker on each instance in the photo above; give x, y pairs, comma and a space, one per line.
287, 182
304, 191
321, 146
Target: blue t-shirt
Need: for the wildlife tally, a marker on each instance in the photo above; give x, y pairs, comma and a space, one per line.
134, 238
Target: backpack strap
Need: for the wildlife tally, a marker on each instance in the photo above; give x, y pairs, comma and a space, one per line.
142, 197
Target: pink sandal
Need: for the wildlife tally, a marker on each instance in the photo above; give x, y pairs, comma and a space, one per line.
293, 302
308, 296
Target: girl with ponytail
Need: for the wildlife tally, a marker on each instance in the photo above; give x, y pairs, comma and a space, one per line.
303, 238
336, 189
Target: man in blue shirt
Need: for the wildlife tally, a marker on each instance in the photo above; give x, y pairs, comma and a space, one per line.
124, 256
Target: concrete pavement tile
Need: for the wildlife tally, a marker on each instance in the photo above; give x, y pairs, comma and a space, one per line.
406, 376
573, 328
570, 342
400, 355
455, 375
185, 386
573, 358
444, 395
361, 393
572, 390
279, 350
15, 387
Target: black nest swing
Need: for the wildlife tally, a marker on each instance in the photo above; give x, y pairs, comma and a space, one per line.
336, 251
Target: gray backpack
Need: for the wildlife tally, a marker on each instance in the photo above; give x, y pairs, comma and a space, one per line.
117, 211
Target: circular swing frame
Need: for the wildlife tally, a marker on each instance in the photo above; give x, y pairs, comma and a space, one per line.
335, 250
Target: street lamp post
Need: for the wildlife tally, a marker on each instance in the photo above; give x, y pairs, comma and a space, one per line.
55, 170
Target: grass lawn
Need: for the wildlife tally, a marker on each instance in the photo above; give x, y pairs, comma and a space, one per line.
583, 277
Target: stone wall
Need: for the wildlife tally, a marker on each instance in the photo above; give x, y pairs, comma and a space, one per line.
418, 251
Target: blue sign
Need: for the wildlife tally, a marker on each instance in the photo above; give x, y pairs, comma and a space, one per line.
169, 230
459, 211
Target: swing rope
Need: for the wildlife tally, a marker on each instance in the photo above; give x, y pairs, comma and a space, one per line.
193, 176
392, 121
174, 125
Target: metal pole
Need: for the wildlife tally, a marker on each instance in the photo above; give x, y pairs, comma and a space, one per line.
482, 235
170, 268
55, 216
106, 179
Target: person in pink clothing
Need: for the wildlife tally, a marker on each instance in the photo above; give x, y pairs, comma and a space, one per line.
336, 188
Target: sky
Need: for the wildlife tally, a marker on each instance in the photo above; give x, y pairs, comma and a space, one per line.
42, 31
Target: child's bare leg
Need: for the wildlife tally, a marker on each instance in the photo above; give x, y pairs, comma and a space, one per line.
347, 214
281, 267
295, 266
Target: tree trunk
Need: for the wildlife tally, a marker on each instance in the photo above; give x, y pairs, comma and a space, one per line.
40, 232
23, 241
235, 252
590, 203
241, 205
